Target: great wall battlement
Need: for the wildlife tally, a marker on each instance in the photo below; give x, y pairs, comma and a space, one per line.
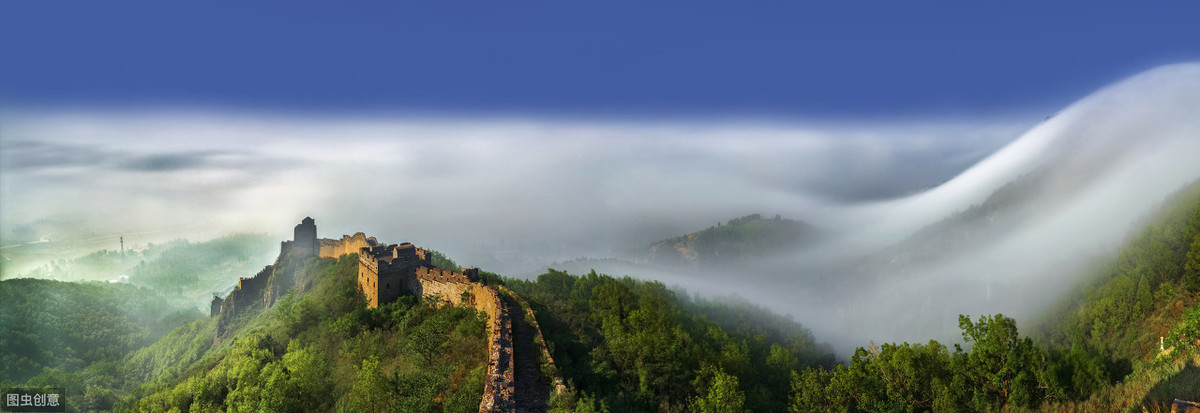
349, 244
384, 272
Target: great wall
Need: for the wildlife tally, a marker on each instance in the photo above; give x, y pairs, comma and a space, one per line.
384, 273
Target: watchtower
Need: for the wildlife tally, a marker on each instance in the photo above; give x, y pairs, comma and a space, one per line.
305, 239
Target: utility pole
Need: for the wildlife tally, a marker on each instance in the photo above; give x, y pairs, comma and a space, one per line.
122, 247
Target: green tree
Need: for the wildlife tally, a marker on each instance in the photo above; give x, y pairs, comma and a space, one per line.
1001, 367
372, 392
1145, 299
721, 395
914, 375
1182, 339
308, 383
808, 391
1192, 268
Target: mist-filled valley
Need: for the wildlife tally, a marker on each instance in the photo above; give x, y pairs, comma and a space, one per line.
656, 260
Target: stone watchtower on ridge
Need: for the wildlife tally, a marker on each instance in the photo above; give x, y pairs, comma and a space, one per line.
385, 271
305, 239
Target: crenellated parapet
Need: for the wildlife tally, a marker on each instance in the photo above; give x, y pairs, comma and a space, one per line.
304, 238
468, 275
349, 244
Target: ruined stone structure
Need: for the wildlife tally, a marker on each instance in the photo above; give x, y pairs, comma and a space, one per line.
247, 292
384, 273
215, 306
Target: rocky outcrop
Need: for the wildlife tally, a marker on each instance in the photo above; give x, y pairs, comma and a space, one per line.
1184, 406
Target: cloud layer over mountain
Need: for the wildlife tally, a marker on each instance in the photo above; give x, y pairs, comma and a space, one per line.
585, 183
559, 189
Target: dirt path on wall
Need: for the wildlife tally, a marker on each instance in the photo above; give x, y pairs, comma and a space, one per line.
532, 395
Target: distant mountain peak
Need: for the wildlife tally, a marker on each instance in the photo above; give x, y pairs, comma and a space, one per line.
735, 241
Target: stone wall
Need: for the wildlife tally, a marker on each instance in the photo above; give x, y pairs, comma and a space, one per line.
349, 244
460, 288
215, 306
444, 275
540, 340
248, 291
383, 272
281, 282
305, 239
499, 388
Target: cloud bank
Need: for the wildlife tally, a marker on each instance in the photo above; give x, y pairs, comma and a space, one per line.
553, 189
586, 185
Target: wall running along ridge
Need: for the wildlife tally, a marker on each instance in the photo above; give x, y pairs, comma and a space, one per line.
244, 295
383, 272
559, 384
349, 244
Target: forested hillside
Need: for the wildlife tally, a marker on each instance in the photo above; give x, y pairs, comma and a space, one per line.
78, 334
622, 345
1097, 349
619, 344
628, 345
1131, 300
321, 350
183, 267
183, 272
735, 242
1146, 295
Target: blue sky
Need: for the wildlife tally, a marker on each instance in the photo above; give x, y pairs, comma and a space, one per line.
785, 59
